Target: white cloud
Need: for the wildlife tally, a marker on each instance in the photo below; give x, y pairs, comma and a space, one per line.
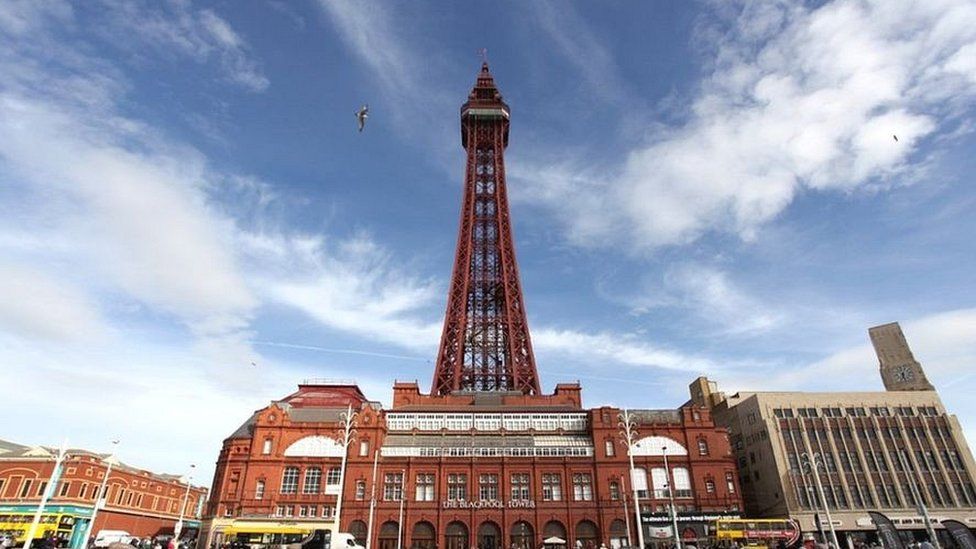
34, 305
176, 26
606, 351
797, 100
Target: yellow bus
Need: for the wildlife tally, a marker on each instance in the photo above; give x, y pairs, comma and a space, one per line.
757, 532
58, 525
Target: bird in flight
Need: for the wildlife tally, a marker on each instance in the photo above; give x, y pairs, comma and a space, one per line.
361, 115
896, 137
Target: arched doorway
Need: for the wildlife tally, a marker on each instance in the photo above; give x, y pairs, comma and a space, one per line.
456, 536
489, 536
587, 536
358, 530
523, 536
554, 535
423, 536
389, 533
618, 534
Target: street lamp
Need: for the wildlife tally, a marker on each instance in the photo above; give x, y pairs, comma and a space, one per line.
48, 493
102, 495
674, 513
918, 499
628, 430
348, 420
813, 462
186, 496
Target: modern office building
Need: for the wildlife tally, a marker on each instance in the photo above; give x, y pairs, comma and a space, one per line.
870, 449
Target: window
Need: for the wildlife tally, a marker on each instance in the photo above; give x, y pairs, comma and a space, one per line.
614, 490
328, 511
392, 486
266, 449
551, 487
751, 418
332, 477
303, 511
488, 486
608, 448
520, 486
279, 510
259, 490
730, 482
582, 487
289, 480
457, 487
43, 486
363, 447
82, 492
65, 486
313, 481
424, 487
702, 447
709, 486
289, 510
638, 480
360, 490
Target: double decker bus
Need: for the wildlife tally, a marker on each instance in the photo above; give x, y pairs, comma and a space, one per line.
58, 525
757, 532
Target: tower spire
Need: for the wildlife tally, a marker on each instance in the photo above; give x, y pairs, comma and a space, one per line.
485, 345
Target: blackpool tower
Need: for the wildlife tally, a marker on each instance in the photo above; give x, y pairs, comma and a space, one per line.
485, 345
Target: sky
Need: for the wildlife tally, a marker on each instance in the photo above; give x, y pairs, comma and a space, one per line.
190, 224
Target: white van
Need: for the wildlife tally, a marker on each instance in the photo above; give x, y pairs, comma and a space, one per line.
104, 538
343, 540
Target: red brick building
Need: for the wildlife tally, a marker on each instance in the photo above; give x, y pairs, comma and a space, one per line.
486, 459
137, 501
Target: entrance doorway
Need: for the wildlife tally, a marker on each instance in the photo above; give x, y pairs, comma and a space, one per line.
389, 533
522, 536
456, 536
489, 536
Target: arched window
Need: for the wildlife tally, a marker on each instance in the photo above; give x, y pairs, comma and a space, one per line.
614, 490
523, 536
587, 536
423, 536
456, 536
389, 532
489, 536
658, 446
618, 534
554, 529
358, 530
314, 446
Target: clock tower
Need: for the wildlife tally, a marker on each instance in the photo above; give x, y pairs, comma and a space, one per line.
899, 369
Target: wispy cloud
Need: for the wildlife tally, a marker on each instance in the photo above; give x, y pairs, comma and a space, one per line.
799, 99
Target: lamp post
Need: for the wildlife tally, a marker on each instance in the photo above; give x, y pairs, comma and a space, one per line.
623, 497
48, 493
813, 503
628, 430
403, 497
813, 462
186, 496
372, 500
674, 513
348, 419
918, 499
102, 495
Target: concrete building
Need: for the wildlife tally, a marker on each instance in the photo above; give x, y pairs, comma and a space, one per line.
140, 502
871, 446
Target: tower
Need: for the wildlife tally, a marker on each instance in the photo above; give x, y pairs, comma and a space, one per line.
485, 344
899, 369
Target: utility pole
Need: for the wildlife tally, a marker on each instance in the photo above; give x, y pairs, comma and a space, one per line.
628, 429
186, 496
674, 512
102, 496
52, 485
918, 500
815, 461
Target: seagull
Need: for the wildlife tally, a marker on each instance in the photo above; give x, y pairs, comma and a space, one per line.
361, 115
895, 136
254, 363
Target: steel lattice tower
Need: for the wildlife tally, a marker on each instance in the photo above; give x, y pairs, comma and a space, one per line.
485, 345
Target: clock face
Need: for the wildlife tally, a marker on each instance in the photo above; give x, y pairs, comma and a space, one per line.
904, 373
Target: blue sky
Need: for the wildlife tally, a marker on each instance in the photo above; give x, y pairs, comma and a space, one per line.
697, 188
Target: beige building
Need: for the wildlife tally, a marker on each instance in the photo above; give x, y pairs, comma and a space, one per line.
862, 443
